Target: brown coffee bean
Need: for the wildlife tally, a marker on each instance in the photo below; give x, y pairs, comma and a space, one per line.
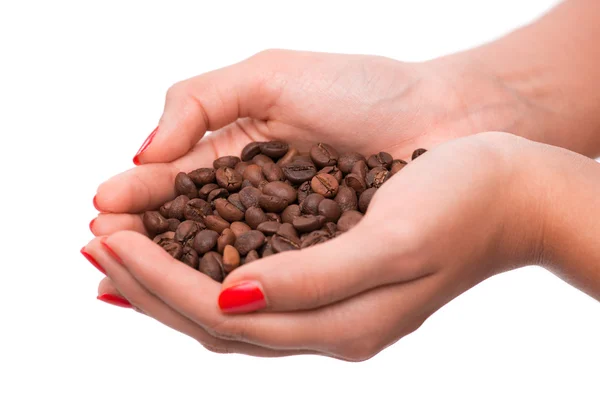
184, 185
365, 199
356, 182
163, 237
346, 198
333, 171
268, 227
310, 205
280, 189
202, 176
272, 172
250, 150
219, 193
241, 167
251, 256
173, 224
249, 241
303, 191
197, 210
211, 264
315, 237
323, 155
190, 257
377, 177
239, 227
246, 183
324, 184
229, 178
254, 174
285, 239
272, 203
330, 228
261, 160
154, 222
267, 249
175, 249
307, 223
205, 241
249, 196
274, 149
288, 157
235, 200
205, 190
187, 231
303, 158
291, 211
177, 207
165, 208
360, 168
255, 216
271, 216
216, 223
381, 159
228, 211
347, 160
330, 210
299, 171
227, 237
348, 220
397, 165
417, 153
231, 258
226, 161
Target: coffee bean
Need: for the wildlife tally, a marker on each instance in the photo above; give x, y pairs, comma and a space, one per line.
360, 168
154, 222
231, 258
333, 171
303, 158
288, 157
262, 185
377, 177
268, 227
235, 200
330, 210
239, 227
271, 216
227, 237
255, 216
254, 174
177, 207
324, 184
165, 208
246, 183
417, 153
187, 231
216, 223
205, 241
163, 237
347, 160
323, 155
249, 196
365, 199
190, 257
175, 249
303, 191
285, 239
229, 178
249, 241
356, 182
202, 176
241, 167
197, 210
310, 205
250, 150
307, 223
330, 228
274, 149
280, 189
291, 211
272, 203
299, 171
261, 160
397, 165
211, 264
205, 190
251, 256
346, 198
348, 220
173, 224
226, 161
315, 237
219, 193
381, 159
228, 211
267, 249
272, 172
184, 185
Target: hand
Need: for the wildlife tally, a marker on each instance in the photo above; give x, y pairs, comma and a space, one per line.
455, 216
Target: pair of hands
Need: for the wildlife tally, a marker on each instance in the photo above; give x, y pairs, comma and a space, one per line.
463, 211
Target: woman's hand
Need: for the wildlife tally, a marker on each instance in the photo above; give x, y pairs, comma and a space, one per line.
458, 214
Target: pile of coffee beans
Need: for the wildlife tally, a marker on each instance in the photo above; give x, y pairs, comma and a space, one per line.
270, 199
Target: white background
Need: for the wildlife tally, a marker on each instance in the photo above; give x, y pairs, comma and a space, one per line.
82, 84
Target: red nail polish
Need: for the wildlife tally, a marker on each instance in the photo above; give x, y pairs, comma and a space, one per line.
110, 251
92, 225
89, 257
95, 201
136, 158
114, 300
243, 297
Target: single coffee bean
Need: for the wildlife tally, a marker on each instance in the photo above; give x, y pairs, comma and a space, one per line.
323, 155
330, 210
315, 237
333, 171
197, 210
299, 171
397, 165
250, 150
177, 208
310, 205
226, 161
325, 184
272, 203
246, 183
291, 211
227, 237
205, 241
165, 208
249, 196
288, 231
186, 232
254, 216
202, 176
184, 185
231, 258
346, 198
239, 227
347, 160
417, 153
216, 223
360, 168
271, 216
211, 264
254, 174
241, 167
285, 239
190, 257
348, 220
228, 211
303, 191
274, 149
251, 256
272, 172
229, 179
205, 190
249, 241
381, 159
163, 237
175, 249
261, 160
281, 189
377, 177
307, 223
365, 199
288, 157
219, 193
154, 222
356, 182
268, 227
330, 228
235, 200
267, 249
173, 224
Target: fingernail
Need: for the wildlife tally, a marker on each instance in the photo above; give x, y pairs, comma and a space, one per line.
136, 158
95, 201
241, 298
114, 300
110, 251
92, 225
89, 257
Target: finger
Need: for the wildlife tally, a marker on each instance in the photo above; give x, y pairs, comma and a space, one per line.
105, 224
122, 283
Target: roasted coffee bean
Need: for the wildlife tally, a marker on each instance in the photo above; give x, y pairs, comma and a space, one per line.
250, 150
365, 199
272, 203
303, 191
167, 236
177, 207
190, 257
307, 223
397, 165
334, 171
381, 159
254, 174
360, 168
268, 227
227, 237
173, 224
285, 239
235, 200
330, 210
303, 158
356, 182
330, 228
323, 155
417, 153
205, 241
347, 160
249, 241
261, 160
231, 258
197, 210
325, 184
310, 205
255, 216
187, 231
239, 227
202, 176
205, 190
184, 185
271, 216
251, 256
346, 198
291, 211
216, 223
314, 238
226, 161
211, 264
165, 209
288, 157
267, 249
154, 222
274, 149
348, 220
377, 177
241, 167
281, 189
219, 193
229, 178
262, 185
299, 171
246, 183
228, 211
249, 196
272, 172
175, 249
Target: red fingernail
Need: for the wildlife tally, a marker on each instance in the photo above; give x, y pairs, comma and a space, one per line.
136, 158
114, 300
95, 201
92, 225
241, 298
89, 257
110, 251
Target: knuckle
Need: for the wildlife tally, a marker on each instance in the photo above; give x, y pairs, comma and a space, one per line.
177, 89
270, 54
226, 330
